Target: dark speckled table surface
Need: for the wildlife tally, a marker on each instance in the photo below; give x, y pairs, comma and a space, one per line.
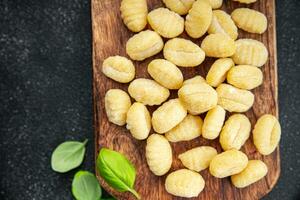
46, 94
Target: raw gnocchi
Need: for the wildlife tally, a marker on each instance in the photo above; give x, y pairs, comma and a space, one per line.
138, 121
117, 102
184, 183
118, 68
218, 45
188, 129
183, 52
134, 14
165, 22
158, 154
144, 45
168, 115
194, 80
215, 3
148, 92
198, 158
181, 7
165, 73
246, 1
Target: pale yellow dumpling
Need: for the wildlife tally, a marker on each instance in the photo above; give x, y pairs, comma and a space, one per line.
181, 7
194, 80
215, 4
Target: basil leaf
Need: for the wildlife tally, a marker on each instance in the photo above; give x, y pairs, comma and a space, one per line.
117, 171
67, 156
85, 186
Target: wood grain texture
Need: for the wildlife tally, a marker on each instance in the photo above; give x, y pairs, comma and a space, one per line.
109, 38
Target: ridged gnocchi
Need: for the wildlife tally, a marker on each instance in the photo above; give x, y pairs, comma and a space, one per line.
189, 128
215, 4
228, 163
194, 80
117, 102
250, 52
218, 45
144, 45
148, 92
181, 7
118, 68
246, 1
218, 71
255, 170
250, 20
184, 183
233, 99
213, 123
222, 23
198, 98
165, 22
198, 19
168, 115
165, 73
134, 14
235, 132
183, 53
266, 134
198, 158
158, 154
138, 121
245, 77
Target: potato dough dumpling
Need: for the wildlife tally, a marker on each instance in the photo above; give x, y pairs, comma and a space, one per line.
233, 99
165, 22
246, 1
245, 77
181, 7
138, 121
165, 73
134, 14
254, 171
144, 45
194, 80
117, 102
198, 19
183, 53
235, 132
148, 92
228, 163
158, 154
198, 158
250, 52
188, 129
250, 20
118, 68
266, 134
218, 45
184, 183
215, 4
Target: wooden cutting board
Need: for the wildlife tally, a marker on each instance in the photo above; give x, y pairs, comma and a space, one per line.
109, 38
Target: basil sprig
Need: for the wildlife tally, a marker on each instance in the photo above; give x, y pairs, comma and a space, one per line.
117, 171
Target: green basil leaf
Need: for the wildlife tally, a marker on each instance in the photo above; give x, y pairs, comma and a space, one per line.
67, 156
117, 171
85, 186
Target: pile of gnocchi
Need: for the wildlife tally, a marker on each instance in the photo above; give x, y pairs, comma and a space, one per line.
238, 62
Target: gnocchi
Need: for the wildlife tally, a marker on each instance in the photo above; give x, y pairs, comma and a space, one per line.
158, 154
246, 1
266, 134
215, 3
245, 77
228, 163
118, 68
188, 129
250, 20
168, 115
198, 158
233, 99
134, 14
218, 45
181, 7
117, 102
165, 22
144, 45
250, 52
165, 73
235, 132
184, 183
194, 80
148, 92
138, 121
183, 52
198, 19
